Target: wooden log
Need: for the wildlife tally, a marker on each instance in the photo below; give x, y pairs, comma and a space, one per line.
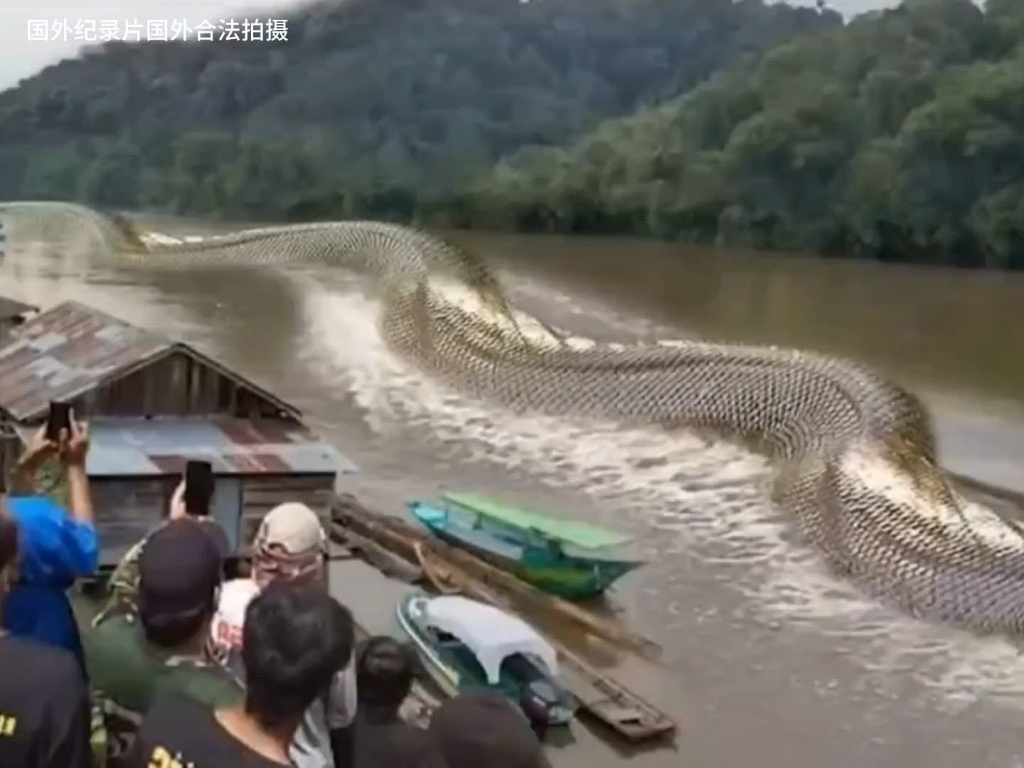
379, 557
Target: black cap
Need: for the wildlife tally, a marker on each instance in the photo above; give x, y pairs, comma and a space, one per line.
179, 570
485, 730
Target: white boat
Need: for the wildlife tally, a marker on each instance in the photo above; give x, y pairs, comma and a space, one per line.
468, 645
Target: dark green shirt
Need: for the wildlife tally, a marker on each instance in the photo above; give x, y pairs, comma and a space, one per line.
126, 672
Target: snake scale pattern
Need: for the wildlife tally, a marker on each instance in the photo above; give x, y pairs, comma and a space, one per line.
827, 423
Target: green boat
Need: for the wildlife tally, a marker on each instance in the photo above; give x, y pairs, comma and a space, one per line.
566, 558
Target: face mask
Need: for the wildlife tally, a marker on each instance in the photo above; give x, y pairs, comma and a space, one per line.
300, 568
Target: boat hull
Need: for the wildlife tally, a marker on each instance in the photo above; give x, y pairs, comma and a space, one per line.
568, 576
453, 678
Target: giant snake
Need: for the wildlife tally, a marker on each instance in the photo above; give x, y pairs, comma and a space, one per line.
832, 426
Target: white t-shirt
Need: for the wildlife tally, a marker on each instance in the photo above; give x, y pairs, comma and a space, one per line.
311, 747
226, 627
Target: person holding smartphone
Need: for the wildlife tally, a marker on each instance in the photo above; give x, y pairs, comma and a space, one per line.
162, 647
191, 500
58, 545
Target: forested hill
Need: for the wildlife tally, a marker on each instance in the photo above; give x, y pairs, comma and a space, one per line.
376, 108
899, 136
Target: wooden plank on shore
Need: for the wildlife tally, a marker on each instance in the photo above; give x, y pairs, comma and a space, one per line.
610, 702
600, 695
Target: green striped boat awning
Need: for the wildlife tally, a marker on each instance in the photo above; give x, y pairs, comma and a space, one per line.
579, 534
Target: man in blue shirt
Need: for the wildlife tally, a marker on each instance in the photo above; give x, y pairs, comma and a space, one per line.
57, 545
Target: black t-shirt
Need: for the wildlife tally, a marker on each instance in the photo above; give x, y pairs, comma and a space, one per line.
382, 740
178, 733
44, 707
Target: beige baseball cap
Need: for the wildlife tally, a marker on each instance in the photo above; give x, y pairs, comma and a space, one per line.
292, 527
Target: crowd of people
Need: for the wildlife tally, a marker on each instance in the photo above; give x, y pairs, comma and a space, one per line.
197, 662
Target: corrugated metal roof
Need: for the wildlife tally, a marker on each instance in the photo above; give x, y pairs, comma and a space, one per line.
151, 447
65, 352
70, 349
13, 308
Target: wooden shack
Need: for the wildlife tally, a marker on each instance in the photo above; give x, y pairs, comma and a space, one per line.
152, 405
13, 314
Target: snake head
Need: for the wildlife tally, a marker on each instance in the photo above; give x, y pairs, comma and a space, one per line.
478, 277
130, 234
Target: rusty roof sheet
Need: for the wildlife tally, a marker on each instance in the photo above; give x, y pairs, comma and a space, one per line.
161, 446
66, 351
13, 308
71, 349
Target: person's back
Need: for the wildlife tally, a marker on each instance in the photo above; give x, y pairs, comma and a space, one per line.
38, 607
127, 671
294, 640
44, 705
384, 676
291, 547
177, 728
132, 659
123, 585
320, 740
58, 545
484, 730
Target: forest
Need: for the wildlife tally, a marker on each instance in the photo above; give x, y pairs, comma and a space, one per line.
898, 135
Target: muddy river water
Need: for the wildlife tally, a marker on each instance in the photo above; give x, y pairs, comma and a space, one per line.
769, 660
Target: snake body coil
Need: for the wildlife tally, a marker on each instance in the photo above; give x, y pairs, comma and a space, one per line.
907, 540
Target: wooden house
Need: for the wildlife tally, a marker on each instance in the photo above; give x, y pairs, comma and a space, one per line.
13, 314
153, 404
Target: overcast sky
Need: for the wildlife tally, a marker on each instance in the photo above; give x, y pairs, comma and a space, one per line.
21, 57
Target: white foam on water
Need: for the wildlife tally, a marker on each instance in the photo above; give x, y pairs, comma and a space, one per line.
970, 520
957, 668
158, 238
580, 344
709, 498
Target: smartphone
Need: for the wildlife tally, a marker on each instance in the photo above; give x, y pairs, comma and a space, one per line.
199, 482
59, 418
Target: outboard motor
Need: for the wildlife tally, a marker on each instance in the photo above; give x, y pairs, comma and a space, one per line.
536, 700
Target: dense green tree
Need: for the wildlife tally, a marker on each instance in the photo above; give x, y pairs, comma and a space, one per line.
898, 135
112, 178
376, 96
53, 175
